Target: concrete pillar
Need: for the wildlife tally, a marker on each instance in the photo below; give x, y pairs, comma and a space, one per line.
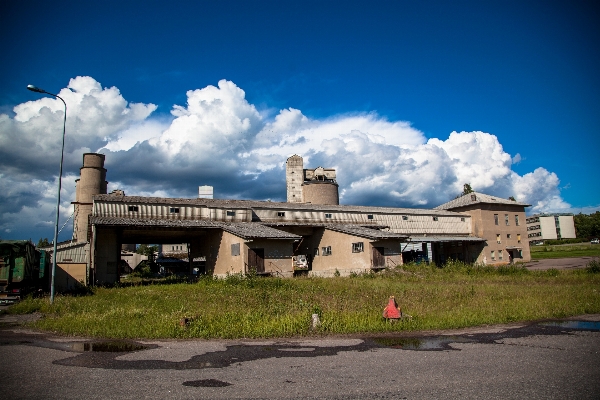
294, 178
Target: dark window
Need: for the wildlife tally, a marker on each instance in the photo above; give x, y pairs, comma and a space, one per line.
230, 213
326, 251
174, 210
280, 213
506, 219
369, 216
327, 216
405, 217
516, 220
357, 247
435, 218
132, 208
496, 219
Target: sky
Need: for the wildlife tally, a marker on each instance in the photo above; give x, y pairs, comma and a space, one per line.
407, 100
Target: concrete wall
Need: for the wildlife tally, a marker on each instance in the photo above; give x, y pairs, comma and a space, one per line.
548, 228
320, 193
510, 236
567, 227
294, 178
342, 259
106, 254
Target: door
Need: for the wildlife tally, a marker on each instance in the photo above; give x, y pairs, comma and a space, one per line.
256, 260
378, 259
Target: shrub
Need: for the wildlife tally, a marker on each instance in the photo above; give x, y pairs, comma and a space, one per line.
593, 267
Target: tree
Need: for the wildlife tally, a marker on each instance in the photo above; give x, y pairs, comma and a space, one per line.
512, 198
43, 242
467, 189
587, 226
147, 250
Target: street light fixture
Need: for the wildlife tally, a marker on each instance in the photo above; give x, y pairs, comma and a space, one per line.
54, 255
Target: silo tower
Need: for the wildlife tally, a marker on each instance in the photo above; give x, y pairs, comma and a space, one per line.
92, 181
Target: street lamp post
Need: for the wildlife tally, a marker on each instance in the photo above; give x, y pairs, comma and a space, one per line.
62, 152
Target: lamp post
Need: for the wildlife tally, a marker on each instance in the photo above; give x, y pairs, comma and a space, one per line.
62, 152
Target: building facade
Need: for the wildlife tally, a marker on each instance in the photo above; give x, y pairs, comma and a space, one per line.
289, 238
500, 222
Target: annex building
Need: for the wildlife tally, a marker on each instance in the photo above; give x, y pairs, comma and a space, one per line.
320, 237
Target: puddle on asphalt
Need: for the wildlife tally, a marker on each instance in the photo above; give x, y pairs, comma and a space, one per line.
112, 346
207, 383
424, 343
583, 325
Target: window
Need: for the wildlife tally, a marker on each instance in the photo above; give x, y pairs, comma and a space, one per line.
172, 248
132, 208
316, 251
499, 254
435, 218
462, 219
473, 197
405, 217
508, 235
506, 219
235, 249
357, 247
493, 256
174, 210
326, 251
230, 213
516, 220
498, 239
519, 238
496, 219
370, 216
281, 213
327, 216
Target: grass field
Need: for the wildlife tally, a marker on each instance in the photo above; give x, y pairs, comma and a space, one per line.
251, 307
565, 251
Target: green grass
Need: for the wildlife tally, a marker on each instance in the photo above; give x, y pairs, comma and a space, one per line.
565, 251
250, 307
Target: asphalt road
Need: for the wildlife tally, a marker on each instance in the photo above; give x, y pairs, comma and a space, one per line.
534, 361
559, 263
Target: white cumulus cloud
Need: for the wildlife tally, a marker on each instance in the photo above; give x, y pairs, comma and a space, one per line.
220, 139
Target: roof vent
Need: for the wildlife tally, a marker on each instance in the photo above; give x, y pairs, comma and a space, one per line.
473, 197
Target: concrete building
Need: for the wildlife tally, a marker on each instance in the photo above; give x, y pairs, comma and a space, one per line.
500, 222
318, 237
542, 227
315, 186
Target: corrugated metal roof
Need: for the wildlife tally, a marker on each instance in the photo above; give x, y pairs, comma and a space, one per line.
246, 230
269, 205
478, 198
368, 233
429, 239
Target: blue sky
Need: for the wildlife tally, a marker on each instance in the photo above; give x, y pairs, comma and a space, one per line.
374, 89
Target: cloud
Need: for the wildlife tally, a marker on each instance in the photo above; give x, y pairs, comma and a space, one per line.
218, 138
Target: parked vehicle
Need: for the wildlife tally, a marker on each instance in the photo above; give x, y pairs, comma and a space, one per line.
21, 271
595, 241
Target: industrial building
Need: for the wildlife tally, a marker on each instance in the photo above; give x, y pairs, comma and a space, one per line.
309, 234
542, 227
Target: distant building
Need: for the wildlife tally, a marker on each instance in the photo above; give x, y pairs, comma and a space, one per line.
499, 221
314, 186
205, 192
542, 227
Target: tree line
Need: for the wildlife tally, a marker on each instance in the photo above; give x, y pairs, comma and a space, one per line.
587, 226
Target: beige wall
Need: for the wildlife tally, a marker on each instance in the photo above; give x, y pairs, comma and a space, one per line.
484, 226
70, 276
343, 260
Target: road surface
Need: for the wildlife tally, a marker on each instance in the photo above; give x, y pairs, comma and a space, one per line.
535, 361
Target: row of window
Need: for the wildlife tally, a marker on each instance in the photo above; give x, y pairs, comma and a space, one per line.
500, 254
533, 228
533, 219
506, 219
508, 236
534, 234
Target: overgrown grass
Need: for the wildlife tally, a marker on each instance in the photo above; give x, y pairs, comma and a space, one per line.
456, 296
565, 251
